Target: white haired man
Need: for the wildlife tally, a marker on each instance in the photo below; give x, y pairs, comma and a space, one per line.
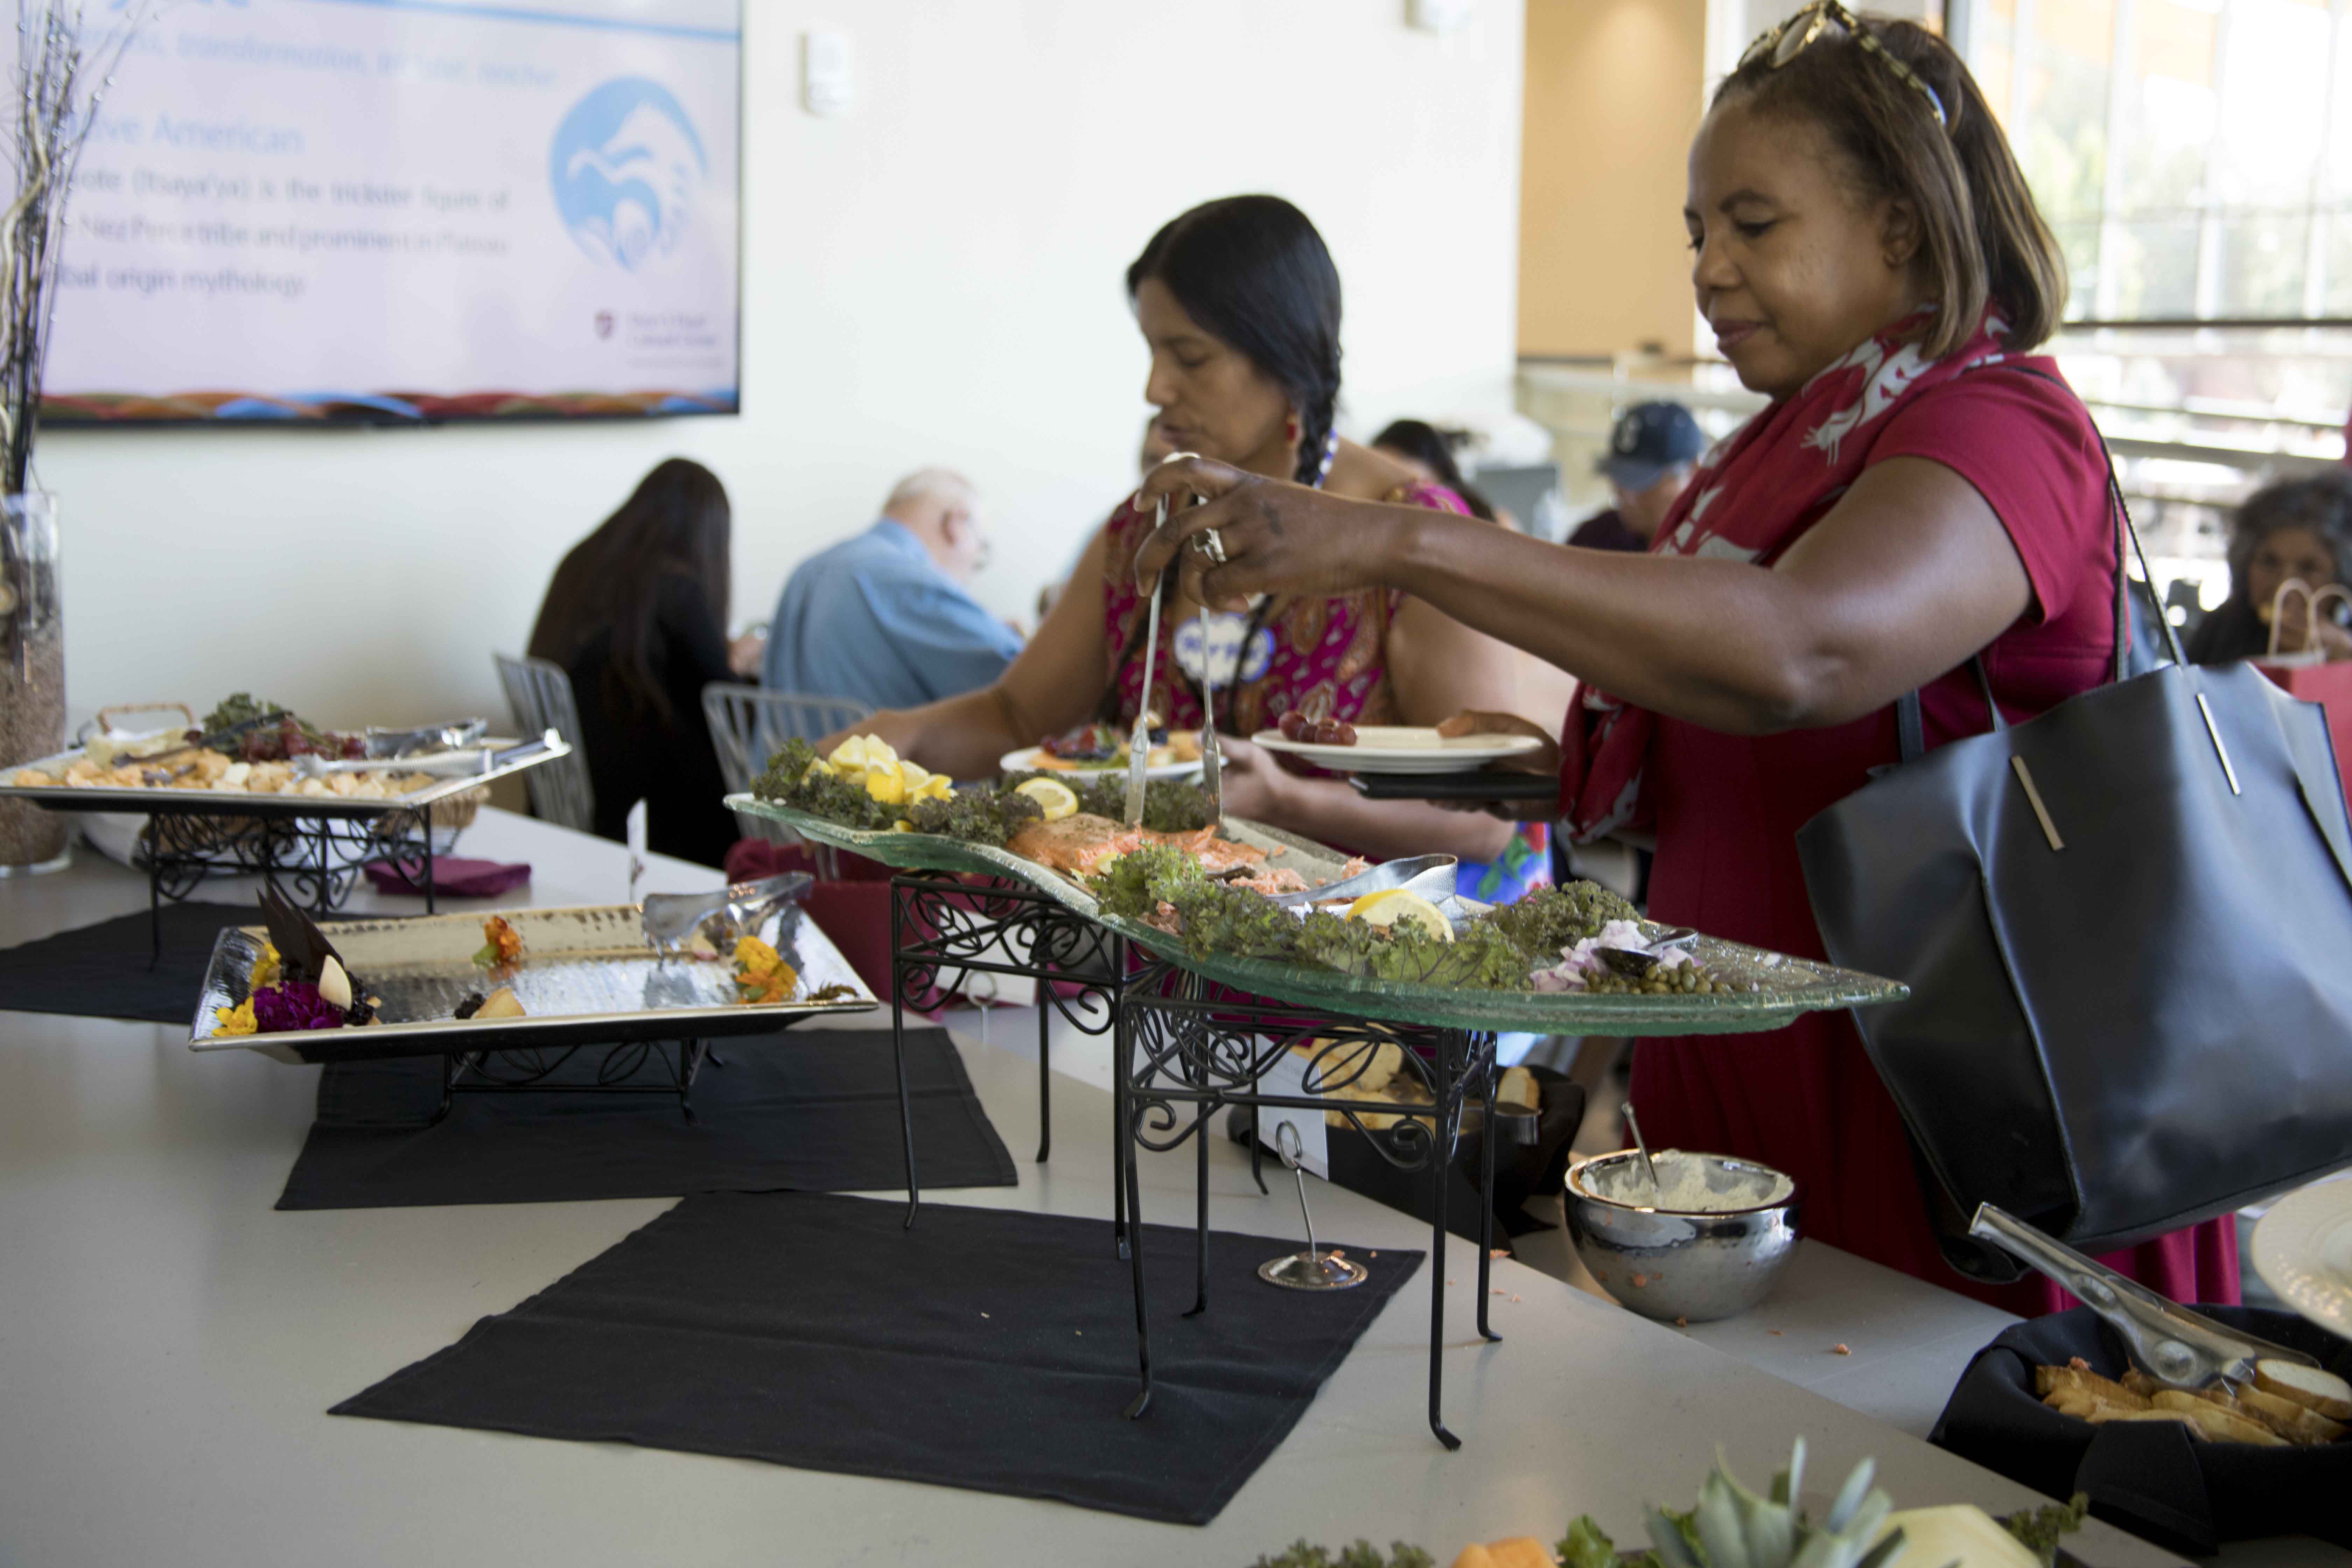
886, 617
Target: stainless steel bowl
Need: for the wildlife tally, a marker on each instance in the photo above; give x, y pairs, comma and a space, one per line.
1697, 1262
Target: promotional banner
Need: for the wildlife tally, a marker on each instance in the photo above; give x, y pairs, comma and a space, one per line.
408, 210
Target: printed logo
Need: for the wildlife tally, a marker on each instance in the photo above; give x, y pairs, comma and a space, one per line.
1217, 649
626, 165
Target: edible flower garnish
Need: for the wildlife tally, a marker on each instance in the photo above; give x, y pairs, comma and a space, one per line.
760, 972
237, 1020
266, 969
501, 946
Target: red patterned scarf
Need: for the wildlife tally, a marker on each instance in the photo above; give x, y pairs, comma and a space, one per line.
1752, 496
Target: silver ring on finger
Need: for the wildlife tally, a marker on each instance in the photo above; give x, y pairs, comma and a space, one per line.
1213, 546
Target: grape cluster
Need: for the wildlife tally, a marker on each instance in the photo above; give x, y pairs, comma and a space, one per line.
1297, 726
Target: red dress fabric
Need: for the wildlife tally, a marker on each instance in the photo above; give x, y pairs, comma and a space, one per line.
1726, 809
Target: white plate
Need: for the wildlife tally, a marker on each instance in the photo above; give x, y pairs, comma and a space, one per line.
1027, 760
1400, 749
2302, 1251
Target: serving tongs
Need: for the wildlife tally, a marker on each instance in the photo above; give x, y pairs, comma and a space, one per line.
2177, 1347
1138, 742
217, 740
454, 736
1431, 876
740, 910
1213, 763
434, 765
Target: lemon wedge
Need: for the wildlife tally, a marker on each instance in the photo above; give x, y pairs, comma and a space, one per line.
935, 786
886, 783
1053, 797
862, 752
1399, 906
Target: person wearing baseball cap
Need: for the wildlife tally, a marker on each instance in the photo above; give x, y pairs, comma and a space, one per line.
1652, 450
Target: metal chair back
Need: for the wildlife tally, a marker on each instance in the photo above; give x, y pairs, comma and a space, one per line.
540, 695
748, 724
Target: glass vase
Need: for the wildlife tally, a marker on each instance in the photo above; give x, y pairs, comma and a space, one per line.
32, 677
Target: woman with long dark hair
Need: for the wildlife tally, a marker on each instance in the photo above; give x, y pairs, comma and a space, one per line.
1917, 492
1239, 304
636, 615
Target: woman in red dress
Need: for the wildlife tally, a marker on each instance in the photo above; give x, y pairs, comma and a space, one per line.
1916, 492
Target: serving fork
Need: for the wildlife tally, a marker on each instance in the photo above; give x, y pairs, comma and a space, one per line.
1139, 741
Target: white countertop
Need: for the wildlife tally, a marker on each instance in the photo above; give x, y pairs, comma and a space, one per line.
169, 1345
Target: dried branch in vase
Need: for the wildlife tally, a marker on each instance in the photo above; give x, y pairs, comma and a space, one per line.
67, 52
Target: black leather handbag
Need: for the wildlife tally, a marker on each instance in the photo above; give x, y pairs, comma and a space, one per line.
2126, 925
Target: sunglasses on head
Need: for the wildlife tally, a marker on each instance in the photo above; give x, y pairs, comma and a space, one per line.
1793, 36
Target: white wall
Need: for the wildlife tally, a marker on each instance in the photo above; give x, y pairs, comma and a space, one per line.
935, 278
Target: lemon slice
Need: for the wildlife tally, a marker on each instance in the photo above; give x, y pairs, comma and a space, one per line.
934, 787
886, 782
1399, 906
862, 752
1053, 797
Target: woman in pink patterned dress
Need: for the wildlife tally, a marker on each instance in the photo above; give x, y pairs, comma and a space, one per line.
1239, 303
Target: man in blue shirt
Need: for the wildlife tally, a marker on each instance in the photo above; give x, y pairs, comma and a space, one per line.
886, 617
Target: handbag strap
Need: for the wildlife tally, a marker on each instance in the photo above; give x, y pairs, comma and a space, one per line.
1911, 728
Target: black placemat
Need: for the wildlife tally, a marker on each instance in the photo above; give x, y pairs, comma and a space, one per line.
811, 1109
986, 1349
2147, 1476
101, 971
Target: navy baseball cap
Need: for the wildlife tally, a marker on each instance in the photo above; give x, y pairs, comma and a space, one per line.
1648, 440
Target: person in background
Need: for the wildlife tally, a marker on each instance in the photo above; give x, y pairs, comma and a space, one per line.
636, 615
1653, 449
2293, 529
1429, 452
887, 618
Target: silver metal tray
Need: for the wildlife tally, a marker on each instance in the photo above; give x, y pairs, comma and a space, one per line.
223, 802
587, 977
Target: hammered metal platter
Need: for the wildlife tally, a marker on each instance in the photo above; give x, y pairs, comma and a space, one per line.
587, 977
1786, 987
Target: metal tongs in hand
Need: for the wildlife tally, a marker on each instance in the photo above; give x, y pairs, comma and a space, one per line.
2166, 1340
1213, 763
1138, 742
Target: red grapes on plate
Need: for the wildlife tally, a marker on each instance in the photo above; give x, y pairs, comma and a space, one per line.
1297, 726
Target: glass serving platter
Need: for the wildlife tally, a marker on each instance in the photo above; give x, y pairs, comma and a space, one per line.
587, 977
1786, 987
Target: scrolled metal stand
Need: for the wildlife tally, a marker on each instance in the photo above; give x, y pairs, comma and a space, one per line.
315, 858
527, 1071
944, 929
1176, 1047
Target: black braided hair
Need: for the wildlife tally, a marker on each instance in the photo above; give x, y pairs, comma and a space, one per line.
1253, 271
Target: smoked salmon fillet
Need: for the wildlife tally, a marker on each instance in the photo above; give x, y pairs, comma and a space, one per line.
1080, 843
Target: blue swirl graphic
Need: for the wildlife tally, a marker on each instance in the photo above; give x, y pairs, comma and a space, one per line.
626, 165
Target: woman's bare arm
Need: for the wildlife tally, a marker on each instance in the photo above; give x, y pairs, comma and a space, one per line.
1908, 575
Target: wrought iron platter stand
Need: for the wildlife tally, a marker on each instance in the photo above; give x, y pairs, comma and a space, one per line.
313, 845
1199, 1031
1021, 919
589, 979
